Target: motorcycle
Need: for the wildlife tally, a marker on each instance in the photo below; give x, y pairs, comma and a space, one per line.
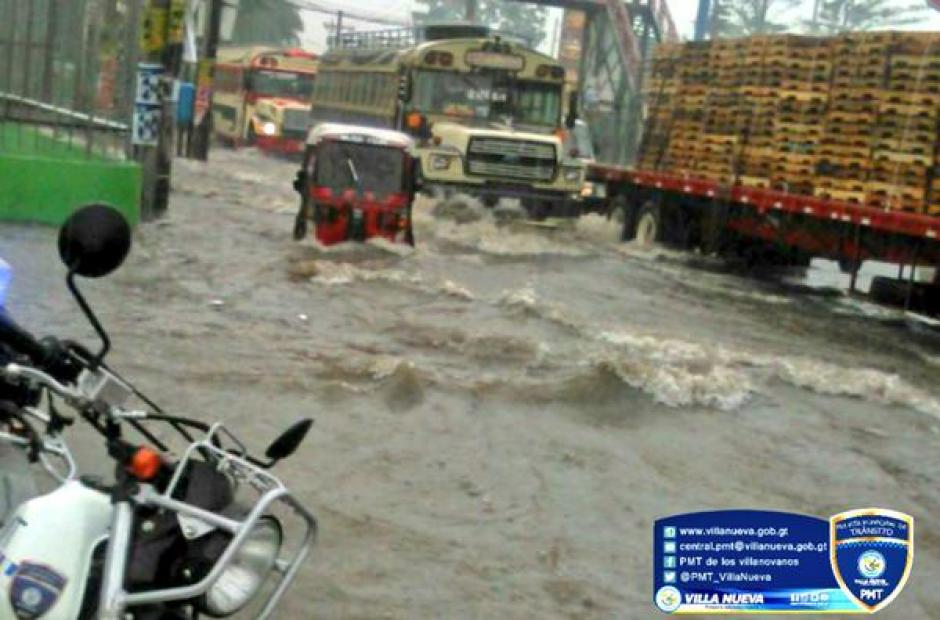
167, 539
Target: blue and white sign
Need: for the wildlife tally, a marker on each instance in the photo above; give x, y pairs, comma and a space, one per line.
145, 130
751, 561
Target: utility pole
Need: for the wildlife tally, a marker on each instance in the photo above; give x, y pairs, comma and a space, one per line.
203, 133
470, 11
817, 5
702, 19
339, 29
152, 148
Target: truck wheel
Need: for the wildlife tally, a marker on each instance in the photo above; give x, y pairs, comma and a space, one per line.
649, 228
620, 210
893, 292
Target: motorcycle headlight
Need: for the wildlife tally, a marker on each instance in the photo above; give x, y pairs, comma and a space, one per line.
242, 579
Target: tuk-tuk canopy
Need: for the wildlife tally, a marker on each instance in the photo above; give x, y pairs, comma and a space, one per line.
360, 135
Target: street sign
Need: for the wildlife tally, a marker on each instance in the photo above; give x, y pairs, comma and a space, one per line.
147, 105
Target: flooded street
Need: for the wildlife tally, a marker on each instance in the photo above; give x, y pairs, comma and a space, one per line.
503, 411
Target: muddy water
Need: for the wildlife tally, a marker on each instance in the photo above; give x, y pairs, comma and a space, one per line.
503, 411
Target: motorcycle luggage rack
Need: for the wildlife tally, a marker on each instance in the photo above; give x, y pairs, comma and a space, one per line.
115, 599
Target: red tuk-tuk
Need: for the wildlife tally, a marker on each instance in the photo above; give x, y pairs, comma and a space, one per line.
356, 183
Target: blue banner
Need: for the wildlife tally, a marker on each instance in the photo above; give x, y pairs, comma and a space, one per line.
738, 561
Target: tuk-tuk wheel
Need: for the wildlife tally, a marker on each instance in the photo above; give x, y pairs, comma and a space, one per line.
300, 227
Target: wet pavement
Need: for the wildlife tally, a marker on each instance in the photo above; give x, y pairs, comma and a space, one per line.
502, 412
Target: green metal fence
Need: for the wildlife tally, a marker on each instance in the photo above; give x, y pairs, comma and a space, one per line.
66, 99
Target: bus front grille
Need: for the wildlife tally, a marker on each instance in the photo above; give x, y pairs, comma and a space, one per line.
296, 121
512, 159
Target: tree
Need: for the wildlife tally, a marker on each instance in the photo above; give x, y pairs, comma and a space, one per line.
743, 18
848, 15
267, 22
526, 20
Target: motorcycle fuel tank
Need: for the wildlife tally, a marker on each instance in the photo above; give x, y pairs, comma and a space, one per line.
46, 549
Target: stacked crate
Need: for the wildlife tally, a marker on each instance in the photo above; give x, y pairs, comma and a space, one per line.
844, 155
687, 152
660, 92
905, 139
720, 136
803, 74
754, 117
854, 118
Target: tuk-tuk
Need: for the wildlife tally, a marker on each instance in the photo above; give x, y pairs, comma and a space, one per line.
356, 183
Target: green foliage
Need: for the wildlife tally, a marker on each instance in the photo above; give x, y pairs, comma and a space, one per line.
527, 20
849, 15
267, 22
743, 18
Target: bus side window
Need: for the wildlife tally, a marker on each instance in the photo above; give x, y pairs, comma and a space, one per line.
354, 88
360, 95
319, 87
371, 89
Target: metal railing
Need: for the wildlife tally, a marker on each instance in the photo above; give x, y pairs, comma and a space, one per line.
67, 76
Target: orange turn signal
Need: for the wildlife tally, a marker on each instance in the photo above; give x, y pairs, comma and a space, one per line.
145, 464
414, 120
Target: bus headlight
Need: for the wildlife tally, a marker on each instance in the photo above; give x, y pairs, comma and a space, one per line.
440, 162
571, 175
593, 190
269, 128
250, 567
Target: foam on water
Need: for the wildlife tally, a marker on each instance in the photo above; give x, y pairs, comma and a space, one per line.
336, 273
685, 373
527, 301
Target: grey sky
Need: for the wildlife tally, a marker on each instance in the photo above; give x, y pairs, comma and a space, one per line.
683, 12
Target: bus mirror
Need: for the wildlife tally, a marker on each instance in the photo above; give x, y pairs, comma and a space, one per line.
415, 183
572, 115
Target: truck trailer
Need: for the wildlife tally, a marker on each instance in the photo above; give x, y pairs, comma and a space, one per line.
783, 148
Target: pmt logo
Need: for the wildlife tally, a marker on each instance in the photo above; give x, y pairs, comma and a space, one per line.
872, 551
668, 599
872, 564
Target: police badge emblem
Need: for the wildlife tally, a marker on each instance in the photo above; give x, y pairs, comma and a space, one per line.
34, 590
871, 551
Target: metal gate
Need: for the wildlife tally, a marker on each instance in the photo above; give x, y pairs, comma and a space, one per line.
66, 77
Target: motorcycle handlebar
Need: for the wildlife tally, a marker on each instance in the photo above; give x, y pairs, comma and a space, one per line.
49, 353
19, 339
16, 371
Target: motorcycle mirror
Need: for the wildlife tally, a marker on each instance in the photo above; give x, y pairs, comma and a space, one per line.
94, 240
572, 116
289, 441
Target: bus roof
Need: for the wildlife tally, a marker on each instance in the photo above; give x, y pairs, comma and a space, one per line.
359, 133
389, 59
294, 59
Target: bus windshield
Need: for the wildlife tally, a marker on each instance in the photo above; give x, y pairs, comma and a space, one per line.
282, 84
366, 167
487, 96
